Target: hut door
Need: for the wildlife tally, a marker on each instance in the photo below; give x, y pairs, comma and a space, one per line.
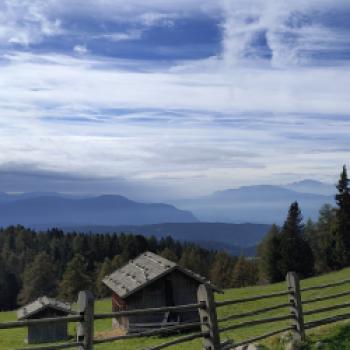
169, 293
169, 299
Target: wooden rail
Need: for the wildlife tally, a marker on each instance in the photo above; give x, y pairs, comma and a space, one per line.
208, 328
149, 311
160, 331
26, 323
327, 297
231, 345
256, 298
329, 285
253, 312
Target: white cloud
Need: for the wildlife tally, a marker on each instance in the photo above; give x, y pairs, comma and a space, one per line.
122, 36
26, 22
80, 49
223, 121
72, 115
293, 29
152, 18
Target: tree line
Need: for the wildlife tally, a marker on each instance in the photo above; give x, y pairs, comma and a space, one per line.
312, 248
53, 263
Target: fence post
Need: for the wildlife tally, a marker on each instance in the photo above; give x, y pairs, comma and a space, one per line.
296, 305
208, 316
85, 329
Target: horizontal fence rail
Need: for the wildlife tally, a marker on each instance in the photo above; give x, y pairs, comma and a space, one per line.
231, 345
256, 298
256, 322
327, 297
179, 340
326, 320
327, 308
253, 312
152, 332
179, 308
26, 323
322, 286
207, 328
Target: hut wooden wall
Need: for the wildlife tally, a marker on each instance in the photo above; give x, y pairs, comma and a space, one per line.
47, 333
175, 288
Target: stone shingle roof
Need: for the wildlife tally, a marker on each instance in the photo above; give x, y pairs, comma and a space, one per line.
143, 270
41, 304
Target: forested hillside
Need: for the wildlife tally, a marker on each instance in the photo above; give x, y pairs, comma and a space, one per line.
53, 263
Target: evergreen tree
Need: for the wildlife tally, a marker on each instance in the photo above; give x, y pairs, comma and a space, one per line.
167, 253
245, 273
75, 279
321, 240
104, 269
192, 259
8, 289
296, 254
117, 262
221, 271
270, 256
342, 230
39, 279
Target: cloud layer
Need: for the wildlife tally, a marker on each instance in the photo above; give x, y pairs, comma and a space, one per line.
174, 95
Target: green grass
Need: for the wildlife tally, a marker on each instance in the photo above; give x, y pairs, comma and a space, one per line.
335, 336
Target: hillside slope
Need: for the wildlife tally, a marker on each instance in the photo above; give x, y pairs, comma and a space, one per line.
336, 336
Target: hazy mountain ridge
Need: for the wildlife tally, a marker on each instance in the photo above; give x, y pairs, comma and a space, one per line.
256, 204
54, 210
312, 186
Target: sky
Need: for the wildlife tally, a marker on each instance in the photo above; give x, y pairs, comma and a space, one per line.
163, 99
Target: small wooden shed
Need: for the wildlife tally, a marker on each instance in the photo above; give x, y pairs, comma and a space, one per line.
45, 307
153, 281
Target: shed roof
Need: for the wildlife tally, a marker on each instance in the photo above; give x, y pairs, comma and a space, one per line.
41, 304
143, 270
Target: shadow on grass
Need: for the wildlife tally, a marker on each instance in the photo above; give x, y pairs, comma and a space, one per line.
338, 340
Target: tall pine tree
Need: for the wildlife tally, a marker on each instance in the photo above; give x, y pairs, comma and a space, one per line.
245, 273
8, 289
321, 239
221, 271
342, 230
296, 254
104, 269
39, 279
75, 279
270, 256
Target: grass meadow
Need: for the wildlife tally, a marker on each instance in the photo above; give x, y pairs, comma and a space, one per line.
335, 336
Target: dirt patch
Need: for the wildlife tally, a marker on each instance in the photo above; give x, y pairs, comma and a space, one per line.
110, 333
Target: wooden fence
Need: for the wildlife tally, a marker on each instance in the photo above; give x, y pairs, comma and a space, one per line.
208, 328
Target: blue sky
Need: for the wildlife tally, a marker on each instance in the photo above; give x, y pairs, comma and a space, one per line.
163, 99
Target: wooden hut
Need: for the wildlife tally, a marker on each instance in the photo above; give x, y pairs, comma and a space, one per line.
45, 307
153, 281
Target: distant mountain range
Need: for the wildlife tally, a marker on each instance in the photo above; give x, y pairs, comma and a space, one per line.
259, 204
312, 186
55, 210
